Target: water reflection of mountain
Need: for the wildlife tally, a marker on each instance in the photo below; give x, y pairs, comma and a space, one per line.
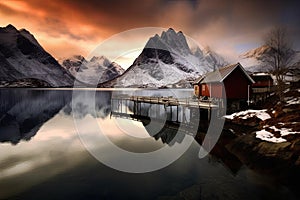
23, 112
97, 104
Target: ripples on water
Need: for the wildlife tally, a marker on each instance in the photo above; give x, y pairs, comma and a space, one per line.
42, 156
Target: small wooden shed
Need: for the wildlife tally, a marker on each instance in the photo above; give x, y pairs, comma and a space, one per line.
231, 81
263, 82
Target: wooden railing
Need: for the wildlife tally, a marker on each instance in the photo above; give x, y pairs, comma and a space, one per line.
264, 89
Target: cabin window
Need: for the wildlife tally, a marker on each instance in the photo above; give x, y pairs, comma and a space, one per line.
203, 88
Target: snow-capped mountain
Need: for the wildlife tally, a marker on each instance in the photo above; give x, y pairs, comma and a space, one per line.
211, 57
257, 52
22, 57
165, 60
251, 58
93, 71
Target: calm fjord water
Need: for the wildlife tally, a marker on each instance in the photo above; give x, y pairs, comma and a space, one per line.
42, 156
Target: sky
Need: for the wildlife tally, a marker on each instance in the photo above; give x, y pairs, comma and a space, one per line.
229, 27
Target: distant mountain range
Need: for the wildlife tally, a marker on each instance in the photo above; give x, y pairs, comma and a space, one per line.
252, 56
22, 59
165, 60
93, 71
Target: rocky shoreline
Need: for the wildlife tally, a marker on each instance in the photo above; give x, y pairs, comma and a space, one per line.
277, 150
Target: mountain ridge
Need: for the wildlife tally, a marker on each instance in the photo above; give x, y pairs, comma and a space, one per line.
252, 57
22, 57
96, 70
165, 60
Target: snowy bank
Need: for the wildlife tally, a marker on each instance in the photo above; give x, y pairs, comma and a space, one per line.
270, 137
261, 114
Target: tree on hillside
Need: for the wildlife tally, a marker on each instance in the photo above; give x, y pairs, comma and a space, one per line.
278, 56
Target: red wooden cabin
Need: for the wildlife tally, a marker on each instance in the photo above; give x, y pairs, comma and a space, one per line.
231, 81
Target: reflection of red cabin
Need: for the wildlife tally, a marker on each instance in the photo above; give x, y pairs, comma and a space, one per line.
231, 82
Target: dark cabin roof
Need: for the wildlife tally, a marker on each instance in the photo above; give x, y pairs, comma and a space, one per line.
221, 74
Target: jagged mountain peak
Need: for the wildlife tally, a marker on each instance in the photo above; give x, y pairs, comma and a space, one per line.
22, 57
171, 41
96, 70
169, 33
10, 33
255, 53
253, 58
79, 57
74, 61
171, 30
166, 59
102, 59
29, 36
10, 27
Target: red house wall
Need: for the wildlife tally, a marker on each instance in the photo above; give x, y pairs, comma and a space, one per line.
204, 90
265, 83
236, 85
216, 90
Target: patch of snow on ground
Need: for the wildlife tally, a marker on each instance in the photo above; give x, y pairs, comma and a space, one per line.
267, 136
291, 101
261, 114
284, 131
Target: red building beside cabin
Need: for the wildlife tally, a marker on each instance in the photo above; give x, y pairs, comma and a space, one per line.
262, 87
263, 80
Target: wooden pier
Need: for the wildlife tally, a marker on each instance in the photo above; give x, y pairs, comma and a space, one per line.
177, 109
168, 101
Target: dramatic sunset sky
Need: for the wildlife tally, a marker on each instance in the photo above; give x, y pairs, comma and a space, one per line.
230, 28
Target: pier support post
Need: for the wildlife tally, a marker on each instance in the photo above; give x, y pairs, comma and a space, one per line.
177, 113
121, 105
171, 117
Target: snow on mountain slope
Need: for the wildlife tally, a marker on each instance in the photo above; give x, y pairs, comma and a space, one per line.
212, 57
21, 57
94, 71
250, 59
167, 59
256, 53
